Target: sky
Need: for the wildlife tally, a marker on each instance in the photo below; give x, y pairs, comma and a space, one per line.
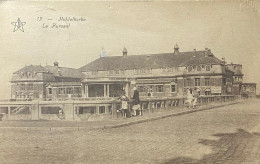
229, 28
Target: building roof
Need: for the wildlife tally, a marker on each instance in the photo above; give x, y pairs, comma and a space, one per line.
64, 72
31, 68
55, 70
163, 60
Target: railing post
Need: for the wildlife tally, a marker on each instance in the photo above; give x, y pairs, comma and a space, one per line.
181, 102
35, 111
9, 111
149, 106
114, 110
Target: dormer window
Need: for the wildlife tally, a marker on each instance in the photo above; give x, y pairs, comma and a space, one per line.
163, 69
149, 70
207, 68
111, 72
94, 72
198, 68
116, 71
142, 71
169, 69
189, 69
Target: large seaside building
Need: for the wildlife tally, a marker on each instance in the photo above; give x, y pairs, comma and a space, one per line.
154, 75
158, 75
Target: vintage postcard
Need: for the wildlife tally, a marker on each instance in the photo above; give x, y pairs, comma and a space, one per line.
130, 81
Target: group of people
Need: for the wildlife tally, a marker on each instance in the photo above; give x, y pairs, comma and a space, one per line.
192, 97
136, 105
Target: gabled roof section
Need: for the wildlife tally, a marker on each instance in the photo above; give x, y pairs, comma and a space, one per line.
197, 60
162, 60
31, 68
64, 72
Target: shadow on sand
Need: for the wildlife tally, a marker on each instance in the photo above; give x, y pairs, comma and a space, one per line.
238, 147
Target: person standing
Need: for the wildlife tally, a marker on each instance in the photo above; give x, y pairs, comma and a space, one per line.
136, 102
124, 104
189, 98
195, 94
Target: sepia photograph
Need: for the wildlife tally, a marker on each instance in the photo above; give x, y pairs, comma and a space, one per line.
130, 82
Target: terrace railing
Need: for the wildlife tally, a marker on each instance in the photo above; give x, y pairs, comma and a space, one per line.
71, 109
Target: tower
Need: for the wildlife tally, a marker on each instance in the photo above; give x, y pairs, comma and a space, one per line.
124, 52
176, 49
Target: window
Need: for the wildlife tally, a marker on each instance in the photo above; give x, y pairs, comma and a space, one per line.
101, 109
173, 88
30, 86
69, 90
207, 92
189, 69
224, 81
199, 68
159, 88
49, 91
94, 72
169, 69
110, 72
142, 71
22, 86
207, 82
137, 71
188, 82
207, 68
116, 71
141, 88
76, 90
61, 90
197, 82
163, 69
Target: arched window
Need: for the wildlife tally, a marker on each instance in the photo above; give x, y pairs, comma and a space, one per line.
207, 68
198, 68
189, 69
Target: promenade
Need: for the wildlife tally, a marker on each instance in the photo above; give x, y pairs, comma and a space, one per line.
215, 134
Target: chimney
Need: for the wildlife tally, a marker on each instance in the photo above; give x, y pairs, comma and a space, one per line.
59, 72
223, 61
56, 64
209, 53
176, 49
124, 52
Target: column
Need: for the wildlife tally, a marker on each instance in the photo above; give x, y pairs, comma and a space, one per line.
68, 110
114, 109
97, 109
9, 111
127, 90
106, 109
86, 91
107, 90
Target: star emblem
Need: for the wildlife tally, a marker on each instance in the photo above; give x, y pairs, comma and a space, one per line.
18, 25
